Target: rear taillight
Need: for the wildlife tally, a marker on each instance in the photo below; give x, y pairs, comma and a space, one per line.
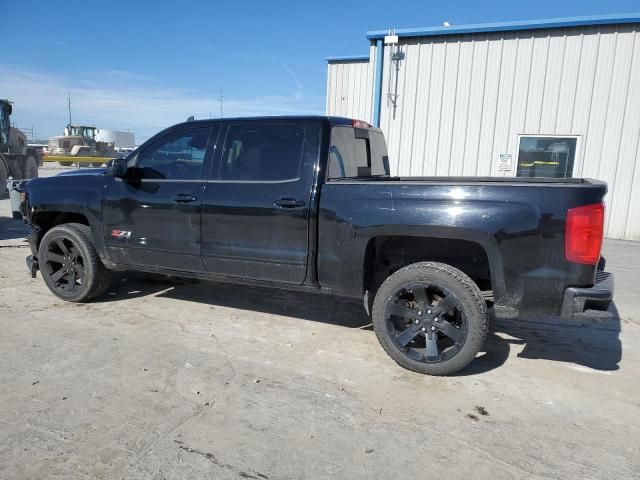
583, 234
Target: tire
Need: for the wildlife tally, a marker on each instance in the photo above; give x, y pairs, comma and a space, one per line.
66, 164
4, 176
30, 168
104, 282
70, 265
436, 305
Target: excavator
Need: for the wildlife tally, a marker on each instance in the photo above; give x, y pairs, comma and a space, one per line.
17, 159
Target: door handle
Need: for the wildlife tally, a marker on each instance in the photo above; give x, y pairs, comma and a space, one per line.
289, 203
184, 198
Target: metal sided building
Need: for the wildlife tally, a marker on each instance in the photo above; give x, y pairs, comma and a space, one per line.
542, 98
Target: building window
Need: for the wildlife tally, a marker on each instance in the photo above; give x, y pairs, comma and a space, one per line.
551, 157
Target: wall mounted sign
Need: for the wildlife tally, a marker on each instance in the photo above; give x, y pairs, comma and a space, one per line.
504, 162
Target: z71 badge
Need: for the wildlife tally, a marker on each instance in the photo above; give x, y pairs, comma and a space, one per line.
124, 234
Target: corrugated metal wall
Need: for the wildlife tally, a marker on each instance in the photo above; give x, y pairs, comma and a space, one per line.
350, 88
463, 100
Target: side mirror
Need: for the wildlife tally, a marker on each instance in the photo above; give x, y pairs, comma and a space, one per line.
117, 167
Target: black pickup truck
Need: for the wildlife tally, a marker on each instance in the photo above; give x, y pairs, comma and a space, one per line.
308, 203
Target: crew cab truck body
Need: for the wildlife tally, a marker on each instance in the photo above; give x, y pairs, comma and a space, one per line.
308, 203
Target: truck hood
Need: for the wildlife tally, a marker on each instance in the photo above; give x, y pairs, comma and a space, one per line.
84, 171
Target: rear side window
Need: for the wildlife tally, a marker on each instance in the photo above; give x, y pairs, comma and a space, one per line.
356, 152
262, 153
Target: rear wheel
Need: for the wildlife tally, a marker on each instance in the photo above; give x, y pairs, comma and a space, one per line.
430, 318
70, 265
66, 164
30, 168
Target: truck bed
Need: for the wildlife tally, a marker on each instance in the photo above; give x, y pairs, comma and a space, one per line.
518, 224
473, 180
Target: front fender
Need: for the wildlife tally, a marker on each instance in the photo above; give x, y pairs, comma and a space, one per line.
47, 198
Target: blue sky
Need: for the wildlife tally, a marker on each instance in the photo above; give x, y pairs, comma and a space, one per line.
144, 65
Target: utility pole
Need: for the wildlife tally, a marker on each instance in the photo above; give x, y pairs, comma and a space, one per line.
221, 97
69, 100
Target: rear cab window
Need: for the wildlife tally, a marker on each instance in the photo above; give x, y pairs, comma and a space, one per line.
357, 153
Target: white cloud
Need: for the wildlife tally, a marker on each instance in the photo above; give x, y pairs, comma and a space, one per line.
295, 79
125, 100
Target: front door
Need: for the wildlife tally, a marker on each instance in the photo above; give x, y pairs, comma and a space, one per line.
152, 218
255, 213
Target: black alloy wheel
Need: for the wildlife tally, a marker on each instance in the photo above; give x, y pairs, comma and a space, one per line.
65, 265
426, 322
430, 318
70, 264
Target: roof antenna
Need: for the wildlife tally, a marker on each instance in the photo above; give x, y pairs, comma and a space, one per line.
191, 118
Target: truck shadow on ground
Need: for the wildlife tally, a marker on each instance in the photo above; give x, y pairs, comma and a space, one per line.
594, 345
308, 306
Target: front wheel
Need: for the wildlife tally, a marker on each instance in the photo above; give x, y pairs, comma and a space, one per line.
4, 174
70, 265
430, 318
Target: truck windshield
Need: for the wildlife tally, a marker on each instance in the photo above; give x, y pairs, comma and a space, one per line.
357, 153
79, 131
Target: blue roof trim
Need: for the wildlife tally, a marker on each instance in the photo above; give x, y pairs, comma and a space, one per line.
348, 58
377, 82
511, 26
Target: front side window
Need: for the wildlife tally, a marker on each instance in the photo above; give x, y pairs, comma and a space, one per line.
176, 156
262, 153
551, 157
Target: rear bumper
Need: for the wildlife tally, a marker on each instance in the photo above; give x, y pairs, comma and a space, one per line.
576, 300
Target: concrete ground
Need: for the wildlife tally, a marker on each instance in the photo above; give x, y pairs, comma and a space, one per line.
171, 380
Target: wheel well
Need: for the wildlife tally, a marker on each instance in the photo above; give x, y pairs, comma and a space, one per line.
45, 221
387, 254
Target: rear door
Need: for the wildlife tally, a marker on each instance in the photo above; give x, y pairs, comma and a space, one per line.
255, 212
154, 219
